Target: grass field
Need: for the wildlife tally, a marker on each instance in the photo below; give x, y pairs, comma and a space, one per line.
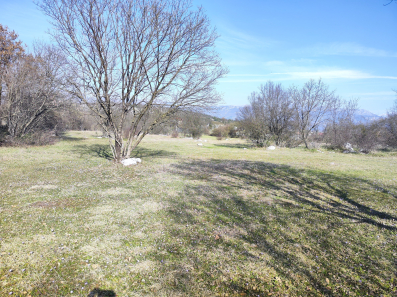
217, 220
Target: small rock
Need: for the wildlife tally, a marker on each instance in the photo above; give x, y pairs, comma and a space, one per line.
349, 148
244, 148
199, 144
271, 148
131, 161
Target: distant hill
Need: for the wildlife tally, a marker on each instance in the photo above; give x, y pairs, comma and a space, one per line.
230, 112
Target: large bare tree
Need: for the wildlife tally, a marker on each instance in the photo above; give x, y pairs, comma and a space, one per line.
144, 58
312, 105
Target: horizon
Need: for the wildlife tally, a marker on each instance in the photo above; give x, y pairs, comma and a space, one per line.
351, 46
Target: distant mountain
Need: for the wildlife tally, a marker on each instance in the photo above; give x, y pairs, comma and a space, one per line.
230, 112
363, 116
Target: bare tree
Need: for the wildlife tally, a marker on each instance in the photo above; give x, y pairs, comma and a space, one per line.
134, 57
278, 110
253, 121
269, 114
312, 105
340, 126
32, 90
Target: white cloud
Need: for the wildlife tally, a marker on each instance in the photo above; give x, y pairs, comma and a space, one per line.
346, 49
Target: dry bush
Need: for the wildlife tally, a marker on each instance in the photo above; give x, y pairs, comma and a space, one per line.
38, 138
367, 137
220, 132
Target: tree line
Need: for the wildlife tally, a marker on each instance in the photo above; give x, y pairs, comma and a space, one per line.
310, 115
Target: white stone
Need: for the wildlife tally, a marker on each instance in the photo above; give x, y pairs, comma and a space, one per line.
131, 161
199, 144
245, 148
349, 147
272, 148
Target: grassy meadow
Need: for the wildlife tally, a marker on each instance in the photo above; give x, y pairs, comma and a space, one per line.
216, 220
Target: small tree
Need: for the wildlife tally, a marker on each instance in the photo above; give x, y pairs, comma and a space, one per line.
312, 105
252, 120
390, 125
144, 58
194, 124
32, 91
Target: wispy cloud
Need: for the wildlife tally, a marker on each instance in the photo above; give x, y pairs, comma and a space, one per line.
237, 39
333, 74
384, 96
305, 75
345, 49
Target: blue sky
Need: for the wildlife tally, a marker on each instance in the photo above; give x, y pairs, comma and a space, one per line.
350, 44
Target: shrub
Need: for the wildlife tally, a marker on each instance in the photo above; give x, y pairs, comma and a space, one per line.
38, 138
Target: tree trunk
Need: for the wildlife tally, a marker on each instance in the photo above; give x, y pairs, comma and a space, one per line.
304, 138
118, 149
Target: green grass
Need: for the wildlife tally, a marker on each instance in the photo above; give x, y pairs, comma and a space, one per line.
217, 220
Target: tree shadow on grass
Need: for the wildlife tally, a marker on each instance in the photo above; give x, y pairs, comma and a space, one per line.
104, 151
235, 145
141, 152
64, 136
101, 293
94, 150
257, 228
